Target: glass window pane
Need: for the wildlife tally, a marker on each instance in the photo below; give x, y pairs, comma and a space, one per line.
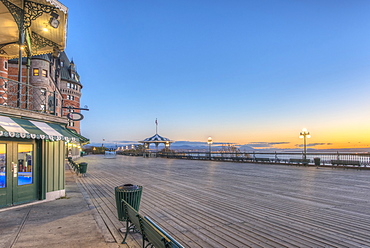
2, 165
25, 164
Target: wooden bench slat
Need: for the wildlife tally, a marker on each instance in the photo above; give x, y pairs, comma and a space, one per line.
152, 233
174, 243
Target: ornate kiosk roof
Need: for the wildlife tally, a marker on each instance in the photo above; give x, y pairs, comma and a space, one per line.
156, 139
43, 23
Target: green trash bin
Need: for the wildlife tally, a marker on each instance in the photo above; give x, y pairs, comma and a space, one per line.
131, 194
317, 161
82, 168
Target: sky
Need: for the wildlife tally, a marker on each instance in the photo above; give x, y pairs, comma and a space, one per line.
243, 72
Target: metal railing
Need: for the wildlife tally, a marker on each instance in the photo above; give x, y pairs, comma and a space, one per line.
274, 157
20, 95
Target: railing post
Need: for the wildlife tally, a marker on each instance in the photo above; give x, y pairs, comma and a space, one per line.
276, 158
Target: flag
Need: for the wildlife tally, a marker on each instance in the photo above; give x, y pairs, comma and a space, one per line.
156, 122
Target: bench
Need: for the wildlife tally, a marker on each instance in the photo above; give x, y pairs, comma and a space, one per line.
238, 159
151, 231
345, 162
299, 161
262, 159
76, 167
73, 165
153, 236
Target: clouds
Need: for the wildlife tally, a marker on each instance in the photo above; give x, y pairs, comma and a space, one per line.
314, 144
287, 145
266, 144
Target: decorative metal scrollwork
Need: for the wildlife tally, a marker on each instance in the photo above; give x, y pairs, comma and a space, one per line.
34, 10
2, 51
31, 12
40, 42
16, 13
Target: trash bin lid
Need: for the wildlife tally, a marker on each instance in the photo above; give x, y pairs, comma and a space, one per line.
83, 163
128, 187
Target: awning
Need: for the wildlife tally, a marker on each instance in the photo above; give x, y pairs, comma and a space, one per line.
82, 139
27, 129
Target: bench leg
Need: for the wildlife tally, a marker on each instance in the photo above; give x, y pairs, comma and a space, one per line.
127, 230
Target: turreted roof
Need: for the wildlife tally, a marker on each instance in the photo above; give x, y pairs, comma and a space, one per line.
65, 71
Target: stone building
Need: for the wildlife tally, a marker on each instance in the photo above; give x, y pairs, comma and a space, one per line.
35, 135
71, 89
51, 74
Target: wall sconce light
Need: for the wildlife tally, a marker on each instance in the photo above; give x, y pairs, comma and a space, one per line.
54, 20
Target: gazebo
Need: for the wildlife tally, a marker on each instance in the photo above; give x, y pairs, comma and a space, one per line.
156, 139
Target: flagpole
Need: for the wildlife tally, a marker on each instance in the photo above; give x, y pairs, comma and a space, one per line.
156, 126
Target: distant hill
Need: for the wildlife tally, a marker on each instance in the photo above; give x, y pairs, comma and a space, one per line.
203, 146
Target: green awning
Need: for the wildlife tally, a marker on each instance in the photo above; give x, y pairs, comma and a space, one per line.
28, 129
80, 137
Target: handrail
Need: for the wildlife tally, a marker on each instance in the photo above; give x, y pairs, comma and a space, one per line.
15, 94
274, 157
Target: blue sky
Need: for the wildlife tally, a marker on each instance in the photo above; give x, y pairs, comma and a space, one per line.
245, 72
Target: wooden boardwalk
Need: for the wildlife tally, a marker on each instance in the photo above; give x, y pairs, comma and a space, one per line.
224, 204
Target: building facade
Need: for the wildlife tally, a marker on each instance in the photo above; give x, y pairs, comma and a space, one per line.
35, 134
50, 74
70, 88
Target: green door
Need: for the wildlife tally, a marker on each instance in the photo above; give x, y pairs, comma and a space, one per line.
18, 181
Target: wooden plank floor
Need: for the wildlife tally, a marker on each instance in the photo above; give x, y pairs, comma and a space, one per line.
224, 204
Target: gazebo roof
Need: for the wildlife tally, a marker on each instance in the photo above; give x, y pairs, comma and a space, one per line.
156, 139
44, 21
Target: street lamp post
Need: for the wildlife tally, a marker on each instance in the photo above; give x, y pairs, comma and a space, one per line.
209, 144
304, 134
